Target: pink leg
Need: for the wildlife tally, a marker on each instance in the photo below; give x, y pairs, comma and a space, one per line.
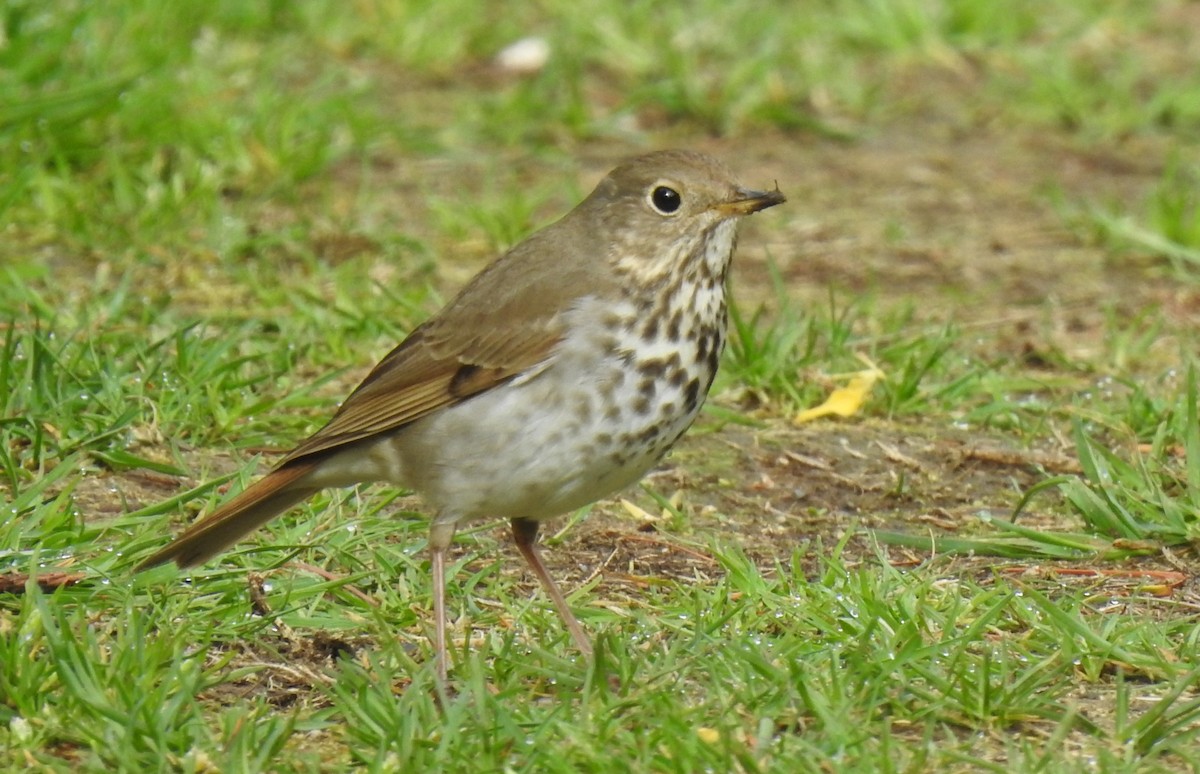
440, 536
525, 534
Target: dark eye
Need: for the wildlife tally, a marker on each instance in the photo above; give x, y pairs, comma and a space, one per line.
665, 200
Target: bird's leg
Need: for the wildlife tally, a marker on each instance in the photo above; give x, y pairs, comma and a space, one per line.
525, 534
440, 535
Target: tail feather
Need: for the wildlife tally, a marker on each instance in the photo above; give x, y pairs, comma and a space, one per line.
266, 498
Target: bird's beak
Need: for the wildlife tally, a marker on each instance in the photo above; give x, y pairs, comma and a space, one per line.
746, 202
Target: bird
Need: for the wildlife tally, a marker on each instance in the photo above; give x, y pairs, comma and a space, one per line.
559, 375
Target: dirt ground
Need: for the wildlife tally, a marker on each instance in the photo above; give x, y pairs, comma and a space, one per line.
956, 223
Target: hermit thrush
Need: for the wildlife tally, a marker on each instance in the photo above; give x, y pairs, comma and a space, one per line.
560, 374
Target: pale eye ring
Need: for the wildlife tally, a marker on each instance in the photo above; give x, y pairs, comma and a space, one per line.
665, 200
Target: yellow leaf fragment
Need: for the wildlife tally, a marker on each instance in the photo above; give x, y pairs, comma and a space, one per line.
845, 401
636, 511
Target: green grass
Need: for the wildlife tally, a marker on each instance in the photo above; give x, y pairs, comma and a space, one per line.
1166, 226
758, 670
216, 218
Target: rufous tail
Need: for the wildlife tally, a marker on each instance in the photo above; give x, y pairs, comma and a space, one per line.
266, 498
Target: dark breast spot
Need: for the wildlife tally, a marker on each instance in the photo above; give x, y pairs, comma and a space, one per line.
692, 395
653, 368
714, 357
650, 328
675, 325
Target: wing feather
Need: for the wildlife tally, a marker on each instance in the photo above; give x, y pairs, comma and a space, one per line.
417, 379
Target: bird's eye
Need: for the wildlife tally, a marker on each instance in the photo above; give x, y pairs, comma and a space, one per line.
665, 200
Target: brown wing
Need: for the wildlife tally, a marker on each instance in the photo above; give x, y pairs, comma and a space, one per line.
427, 372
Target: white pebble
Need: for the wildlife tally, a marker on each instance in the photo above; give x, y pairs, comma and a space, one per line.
525, 57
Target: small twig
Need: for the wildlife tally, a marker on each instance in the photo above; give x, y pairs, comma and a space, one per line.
1167, 577
14, 582
1053, 464
665, 544
600, 567
812, 462
299, 674
893, 454
808, 462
